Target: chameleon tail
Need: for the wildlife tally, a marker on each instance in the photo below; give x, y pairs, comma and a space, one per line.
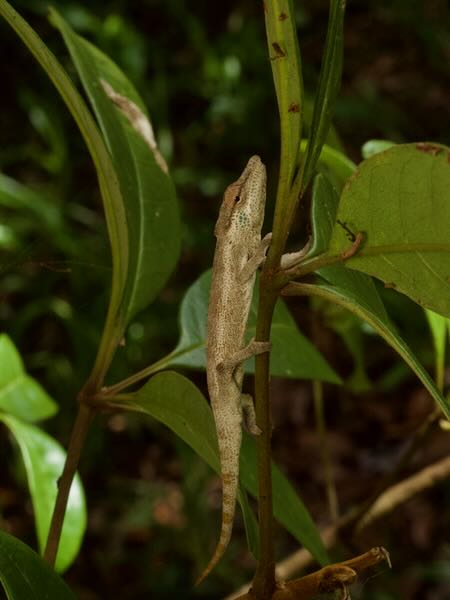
230, 476
228, 508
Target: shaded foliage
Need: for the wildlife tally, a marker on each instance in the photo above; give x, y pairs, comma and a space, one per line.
204, 74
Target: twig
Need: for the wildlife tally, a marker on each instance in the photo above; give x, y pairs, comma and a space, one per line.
332, 577
417, 440
79, 432
302, 558
403, 491
388, 501
264, 580
298, 271
329, 579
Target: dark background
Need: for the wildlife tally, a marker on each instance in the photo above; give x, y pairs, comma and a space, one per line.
203, 71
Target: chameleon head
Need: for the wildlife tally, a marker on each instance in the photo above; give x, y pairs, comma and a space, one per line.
244, 200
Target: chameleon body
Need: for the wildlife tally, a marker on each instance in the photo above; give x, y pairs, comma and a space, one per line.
239, 252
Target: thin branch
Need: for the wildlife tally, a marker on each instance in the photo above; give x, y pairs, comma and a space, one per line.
327, 260
79, 432
416, 441
300, 559
332, 577
159, 365
264, 580
403, 491
387, 502
329, 579
285, 276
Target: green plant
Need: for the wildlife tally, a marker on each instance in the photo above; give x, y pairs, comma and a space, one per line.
381, 225
23, 402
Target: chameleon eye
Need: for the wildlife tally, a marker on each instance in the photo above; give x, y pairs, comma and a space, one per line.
237, 198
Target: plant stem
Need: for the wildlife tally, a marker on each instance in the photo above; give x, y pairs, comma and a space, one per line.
284, 277
264, 580
284, 57
312, 265
79, 432
159, 365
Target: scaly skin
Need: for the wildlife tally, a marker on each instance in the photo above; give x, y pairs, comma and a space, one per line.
239, 253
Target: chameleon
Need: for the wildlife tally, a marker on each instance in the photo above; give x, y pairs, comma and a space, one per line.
238, 254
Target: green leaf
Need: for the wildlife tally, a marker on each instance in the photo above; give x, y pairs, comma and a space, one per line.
356, 292
284, 56
328, 88
44, 461
26, 576
109, 185
250, 523
324, 205
351, 330
325, 202
177, 403
400, 199
440, 329
323, 214
20, 394
149, 194
332, 140
338, 165
372, 147
360, 287
288, 509
292, 356
20, 197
